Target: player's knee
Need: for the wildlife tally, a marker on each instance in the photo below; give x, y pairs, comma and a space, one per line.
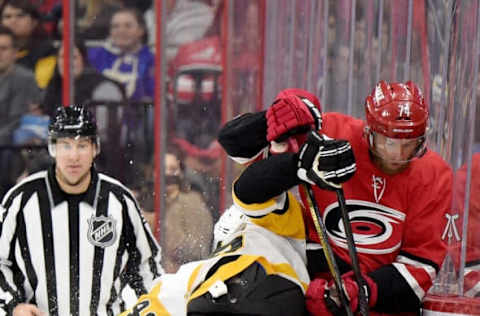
252, 292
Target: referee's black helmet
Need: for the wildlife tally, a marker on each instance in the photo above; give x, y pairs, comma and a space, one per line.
72, 121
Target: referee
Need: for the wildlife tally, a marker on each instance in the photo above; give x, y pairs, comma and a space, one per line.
72, 238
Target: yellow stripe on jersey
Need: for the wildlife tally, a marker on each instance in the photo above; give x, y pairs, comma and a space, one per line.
260, 209
193, 277
148, 304
283, 269
223, 273
287, 223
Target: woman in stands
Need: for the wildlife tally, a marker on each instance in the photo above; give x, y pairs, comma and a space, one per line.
125, 57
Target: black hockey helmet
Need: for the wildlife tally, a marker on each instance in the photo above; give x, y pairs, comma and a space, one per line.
72, 121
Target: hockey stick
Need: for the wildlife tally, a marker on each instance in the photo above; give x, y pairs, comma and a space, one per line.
327, 249
352, 251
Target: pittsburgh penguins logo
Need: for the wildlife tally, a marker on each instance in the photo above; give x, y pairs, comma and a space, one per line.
376, 228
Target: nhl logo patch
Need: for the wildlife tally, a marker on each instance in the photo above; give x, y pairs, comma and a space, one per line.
101, 231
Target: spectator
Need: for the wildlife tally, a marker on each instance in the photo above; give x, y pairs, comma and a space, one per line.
188, 222
17, 87
89, 85
144, 193
125, 57
33, 127
36, 51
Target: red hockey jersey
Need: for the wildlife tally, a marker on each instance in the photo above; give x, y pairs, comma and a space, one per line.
396, 219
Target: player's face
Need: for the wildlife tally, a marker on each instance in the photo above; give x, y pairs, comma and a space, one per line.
125, 31
392, 155
74, 157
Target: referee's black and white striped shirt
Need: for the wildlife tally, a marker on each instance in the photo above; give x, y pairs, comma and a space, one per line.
73, 254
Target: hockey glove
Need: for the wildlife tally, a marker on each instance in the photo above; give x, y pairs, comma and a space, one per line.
318, 300
325, 162
322, 299
290, 116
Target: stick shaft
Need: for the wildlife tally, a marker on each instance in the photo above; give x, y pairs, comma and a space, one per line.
352, 251
327, 249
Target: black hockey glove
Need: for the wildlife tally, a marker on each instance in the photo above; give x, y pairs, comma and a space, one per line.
325, 162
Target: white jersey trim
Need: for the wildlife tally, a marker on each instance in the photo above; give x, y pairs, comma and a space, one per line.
417, 289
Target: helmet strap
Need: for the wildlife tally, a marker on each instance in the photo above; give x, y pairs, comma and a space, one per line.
52, 148
97, 146
367, 132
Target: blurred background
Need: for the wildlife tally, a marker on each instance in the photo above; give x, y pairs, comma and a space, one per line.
162, 76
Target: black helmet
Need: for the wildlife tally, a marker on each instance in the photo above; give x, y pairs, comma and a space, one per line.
72, 121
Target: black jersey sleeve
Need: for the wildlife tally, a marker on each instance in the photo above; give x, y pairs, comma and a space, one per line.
245, 135
267, 178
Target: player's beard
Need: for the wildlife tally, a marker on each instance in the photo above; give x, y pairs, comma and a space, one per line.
388, 167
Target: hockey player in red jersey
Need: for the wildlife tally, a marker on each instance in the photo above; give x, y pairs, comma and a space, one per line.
396, 197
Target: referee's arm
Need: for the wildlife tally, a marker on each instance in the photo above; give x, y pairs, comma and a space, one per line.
11, 293
143, 266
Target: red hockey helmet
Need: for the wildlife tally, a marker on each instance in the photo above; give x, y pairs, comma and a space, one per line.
397, 110
399, 113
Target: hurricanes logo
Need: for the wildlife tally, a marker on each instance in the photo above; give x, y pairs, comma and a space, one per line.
101, 231
375, 227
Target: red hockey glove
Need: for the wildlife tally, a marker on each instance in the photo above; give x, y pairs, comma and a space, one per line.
318, 299
290, 116
351, 289
325, 162
322, 299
